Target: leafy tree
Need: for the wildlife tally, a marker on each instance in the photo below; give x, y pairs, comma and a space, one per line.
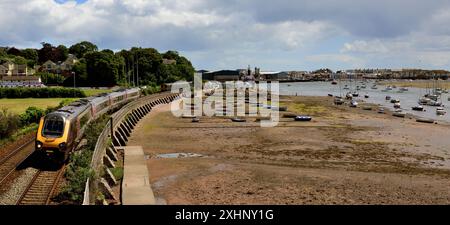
14, 51
80, 49
31, 55
2, 52
9, 123
20, 60
50, 78
47, 52
62, 52
81, 74
103, 68
31, 115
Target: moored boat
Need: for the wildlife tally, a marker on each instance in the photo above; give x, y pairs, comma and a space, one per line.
395, 100
424, 100
417, 108
354, 104
338, 101
397, 105
303, 118
440, 111
388, 98
434, 103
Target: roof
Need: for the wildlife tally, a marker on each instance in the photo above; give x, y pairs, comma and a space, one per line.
224, 72
49, 61
269, 73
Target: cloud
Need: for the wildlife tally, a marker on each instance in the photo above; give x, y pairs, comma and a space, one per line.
217, 33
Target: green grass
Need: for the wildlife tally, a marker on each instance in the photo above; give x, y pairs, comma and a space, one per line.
23, 131
117, 172
19, 106
91, 92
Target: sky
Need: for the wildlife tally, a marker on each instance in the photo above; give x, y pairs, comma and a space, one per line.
275, 35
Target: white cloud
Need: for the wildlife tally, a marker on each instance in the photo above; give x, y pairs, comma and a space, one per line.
232, 32
375, 46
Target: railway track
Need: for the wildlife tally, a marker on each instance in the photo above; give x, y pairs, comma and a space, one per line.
41, 188
9, 163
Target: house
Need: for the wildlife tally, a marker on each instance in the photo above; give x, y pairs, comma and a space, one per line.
49, 66
12, 69
63, 68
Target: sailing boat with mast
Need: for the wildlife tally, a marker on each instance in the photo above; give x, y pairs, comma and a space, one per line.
338, 99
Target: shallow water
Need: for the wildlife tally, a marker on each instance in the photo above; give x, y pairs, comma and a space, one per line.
407, 99
178, 155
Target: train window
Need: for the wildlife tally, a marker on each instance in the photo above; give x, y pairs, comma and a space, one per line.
54, 126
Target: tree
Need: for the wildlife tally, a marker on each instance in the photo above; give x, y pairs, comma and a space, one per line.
80, 49
13, 51
103, 68
31, 55
81, 74
49, 52
20, 60
62, 53
50, 78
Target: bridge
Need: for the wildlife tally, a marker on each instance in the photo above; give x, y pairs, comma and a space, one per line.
114, 137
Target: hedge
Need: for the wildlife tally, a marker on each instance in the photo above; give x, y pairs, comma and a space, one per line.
41, 93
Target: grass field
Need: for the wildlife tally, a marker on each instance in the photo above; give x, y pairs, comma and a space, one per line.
20, 105
91, 92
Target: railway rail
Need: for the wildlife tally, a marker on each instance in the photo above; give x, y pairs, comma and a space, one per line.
10, 162
41, 188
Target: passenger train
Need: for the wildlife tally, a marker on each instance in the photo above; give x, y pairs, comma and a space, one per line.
61, 130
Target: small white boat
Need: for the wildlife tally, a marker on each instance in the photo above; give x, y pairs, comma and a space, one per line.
424, 101
403, 89
397, 105
434, 103
440, 111
354, 104
338, 101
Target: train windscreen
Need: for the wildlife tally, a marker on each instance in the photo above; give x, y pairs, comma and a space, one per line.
53, 126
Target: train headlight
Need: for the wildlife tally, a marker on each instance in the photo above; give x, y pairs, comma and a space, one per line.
62, 146
38, 145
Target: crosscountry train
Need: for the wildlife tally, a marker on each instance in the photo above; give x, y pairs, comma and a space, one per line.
61, 130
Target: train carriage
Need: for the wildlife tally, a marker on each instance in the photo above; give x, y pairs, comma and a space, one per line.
60, 131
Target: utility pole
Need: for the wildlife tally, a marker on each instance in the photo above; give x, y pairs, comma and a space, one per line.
73, 74
137, 80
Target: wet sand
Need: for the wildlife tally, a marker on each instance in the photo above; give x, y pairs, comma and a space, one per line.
344, 156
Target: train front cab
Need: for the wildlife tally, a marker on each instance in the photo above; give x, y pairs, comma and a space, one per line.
53, 137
